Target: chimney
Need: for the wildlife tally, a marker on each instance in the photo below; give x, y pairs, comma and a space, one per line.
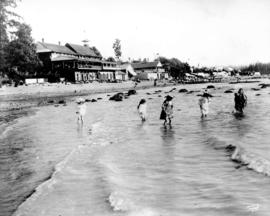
42, 40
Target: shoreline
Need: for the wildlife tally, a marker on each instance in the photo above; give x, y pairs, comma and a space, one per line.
22, 97
60, 94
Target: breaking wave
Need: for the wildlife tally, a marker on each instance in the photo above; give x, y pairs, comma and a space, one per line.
250, 160
241, 156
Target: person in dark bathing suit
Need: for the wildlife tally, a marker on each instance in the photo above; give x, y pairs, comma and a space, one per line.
167, 110
240, 100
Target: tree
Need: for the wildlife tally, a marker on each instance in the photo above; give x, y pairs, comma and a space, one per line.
117, 49
175, 67
21, 52
5, 22
110, 59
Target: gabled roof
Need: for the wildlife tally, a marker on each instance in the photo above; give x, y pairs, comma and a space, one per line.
82, 50
143, 65
47, 47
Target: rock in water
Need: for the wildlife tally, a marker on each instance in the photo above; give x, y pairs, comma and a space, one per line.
117, 97
210, 87
50, 101
61, 101
131, 92
183, 90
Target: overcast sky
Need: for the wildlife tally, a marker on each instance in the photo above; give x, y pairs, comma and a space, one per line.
205, 32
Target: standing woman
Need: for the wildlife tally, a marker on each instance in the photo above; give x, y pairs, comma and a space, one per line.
167, 110
81, 109
204, 102
240, 100
142, 109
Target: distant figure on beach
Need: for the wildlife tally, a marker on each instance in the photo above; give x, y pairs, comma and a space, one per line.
167, 110
240, 100
81, 109
142, 109
155, 82
204, 102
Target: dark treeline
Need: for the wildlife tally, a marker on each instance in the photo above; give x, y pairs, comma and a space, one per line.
263, 68
175, 67
18, 56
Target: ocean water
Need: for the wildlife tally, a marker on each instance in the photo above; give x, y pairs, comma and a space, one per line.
114, 164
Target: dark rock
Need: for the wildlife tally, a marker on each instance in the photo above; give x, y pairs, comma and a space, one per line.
210, 87
93, 100
228, 91
263, 85
160, 96
117, 97
99, 98
108, 95
87, 100
50, 101
150, 98
255, 89
190, 92
183, 90
148, 93
56, 105
132, 92
257, 94
61, 102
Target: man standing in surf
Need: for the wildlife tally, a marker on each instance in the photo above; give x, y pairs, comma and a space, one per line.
240, 100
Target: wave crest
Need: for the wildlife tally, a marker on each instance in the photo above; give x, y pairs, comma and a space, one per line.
250, 160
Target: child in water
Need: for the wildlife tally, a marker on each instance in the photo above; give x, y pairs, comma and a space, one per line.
142, 107
240, 100
167, 110
81, 109
204, 102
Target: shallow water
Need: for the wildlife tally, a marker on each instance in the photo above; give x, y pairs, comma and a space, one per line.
115, 165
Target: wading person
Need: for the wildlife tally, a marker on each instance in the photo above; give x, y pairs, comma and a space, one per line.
167, 110
142, 109
81, 109
240, 101
204, 102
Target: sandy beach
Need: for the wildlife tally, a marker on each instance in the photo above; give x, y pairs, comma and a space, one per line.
37, 95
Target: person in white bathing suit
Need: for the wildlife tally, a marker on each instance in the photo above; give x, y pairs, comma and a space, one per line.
204, 102
81, 109
142, 109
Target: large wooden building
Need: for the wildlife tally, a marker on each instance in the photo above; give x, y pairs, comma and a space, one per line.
75, 63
